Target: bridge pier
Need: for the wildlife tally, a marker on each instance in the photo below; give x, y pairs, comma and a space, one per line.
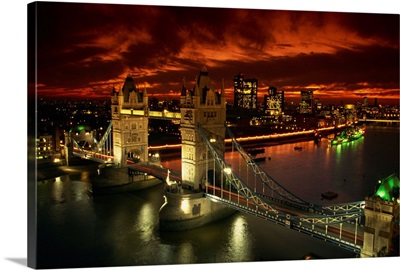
188, 210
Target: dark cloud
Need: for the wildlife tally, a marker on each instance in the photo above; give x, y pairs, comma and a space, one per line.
384, 26
93, 45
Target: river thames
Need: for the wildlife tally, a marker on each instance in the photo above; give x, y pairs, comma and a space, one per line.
77, 229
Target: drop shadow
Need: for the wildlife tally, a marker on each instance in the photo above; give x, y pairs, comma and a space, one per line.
20, 261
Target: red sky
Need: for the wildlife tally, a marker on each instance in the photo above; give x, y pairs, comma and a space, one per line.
85, 49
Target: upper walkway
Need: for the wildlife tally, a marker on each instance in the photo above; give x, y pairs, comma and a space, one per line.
167, 115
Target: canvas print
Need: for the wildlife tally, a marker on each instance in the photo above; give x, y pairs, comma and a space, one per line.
169, 135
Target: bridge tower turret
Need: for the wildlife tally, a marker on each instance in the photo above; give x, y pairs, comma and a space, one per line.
206, 107
130, 132
381, 236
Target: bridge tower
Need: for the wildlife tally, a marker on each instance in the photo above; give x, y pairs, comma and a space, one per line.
381, 236
186, 207
130, 132
206, 107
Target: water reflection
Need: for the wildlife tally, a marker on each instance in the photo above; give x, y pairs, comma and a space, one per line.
186, 253
145, 222
85, 176
58, 190
239, 242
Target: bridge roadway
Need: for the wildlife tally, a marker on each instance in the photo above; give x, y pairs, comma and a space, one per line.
346, 234
155, 170
92, 155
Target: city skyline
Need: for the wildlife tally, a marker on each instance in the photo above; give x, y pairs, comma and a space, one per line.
339, 55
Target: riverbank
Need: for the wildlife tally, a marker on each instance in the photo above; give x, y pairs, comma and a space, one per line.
255, 140
47, 169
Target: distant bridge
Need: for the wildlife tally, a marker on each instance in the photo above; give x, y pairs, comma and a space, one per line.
380, 120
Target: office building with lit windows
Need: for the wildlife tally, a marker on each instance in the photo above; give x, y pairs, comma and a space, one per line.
245, 92
273, 102
306, 103
44, 146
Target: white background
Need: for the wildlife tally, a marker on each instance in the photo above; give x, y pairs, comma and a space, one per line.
13, 189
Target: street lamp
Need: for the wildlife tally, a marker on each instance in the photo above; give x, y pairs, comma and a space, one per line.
228, 170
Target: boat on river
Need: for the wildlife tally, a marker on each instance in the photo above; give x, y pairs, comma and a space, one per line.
348, 135
329, 195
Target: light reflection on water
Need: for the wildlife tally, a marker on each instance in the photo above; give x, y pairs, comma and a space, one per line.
239, 242
145, 222
186, 253
58, 190
76, 229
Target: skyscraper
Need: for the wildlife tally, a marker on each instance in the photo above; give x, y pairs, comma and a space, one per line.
273, 102
306, 103
245, 92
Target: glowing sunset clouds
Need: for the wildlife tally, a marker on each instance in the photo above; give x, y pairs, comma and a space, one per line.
86, 49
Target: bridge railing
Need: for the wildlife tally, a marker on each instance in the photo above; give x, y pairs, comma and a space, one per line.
331, 219
342, 207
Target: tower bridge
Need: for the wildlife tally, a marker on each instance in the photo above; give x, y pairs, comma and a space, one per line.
207, 188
